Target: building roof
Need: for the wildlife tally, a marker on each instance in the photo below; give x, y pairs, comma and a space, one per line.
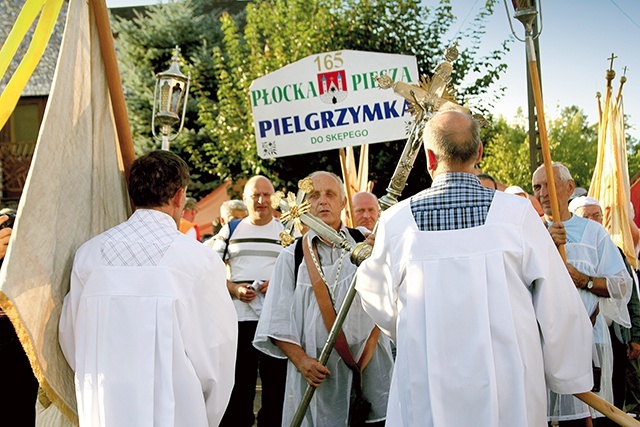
40, 82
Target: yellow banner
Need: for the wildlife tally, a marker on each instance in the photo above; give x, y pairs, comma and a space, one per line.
610, 181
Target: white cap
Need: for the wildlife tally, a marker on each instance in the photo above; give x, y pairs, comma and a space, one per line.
514, 189
582, 201
579, 191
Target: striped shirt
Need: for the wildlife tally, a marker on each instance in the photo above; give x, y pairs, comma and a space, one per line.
251, 255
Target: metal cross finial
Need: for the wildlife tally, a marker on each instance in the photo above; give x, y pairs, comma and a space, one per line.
295, 206
295, 210
624, 71
433, 95
611, 58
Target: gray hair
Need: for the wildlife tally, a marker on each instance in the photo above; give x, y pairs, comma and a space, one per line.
453, 144
343, 193
232, 205
563, 171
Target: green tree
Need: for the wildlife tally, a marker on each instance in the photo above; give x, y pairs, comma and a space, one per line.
633, 152
572, 141
278, 33
506, 153
145, 44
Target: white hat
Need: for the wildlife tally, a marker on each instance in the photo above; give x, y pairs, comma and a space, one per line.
579, 191
582, 201
514, 189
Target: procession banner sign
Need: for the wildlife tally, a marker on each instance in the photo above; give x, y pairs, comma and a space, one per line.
330, 100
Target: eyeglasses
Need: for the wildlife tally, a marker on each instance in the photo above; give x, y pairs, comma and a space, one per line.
597, 216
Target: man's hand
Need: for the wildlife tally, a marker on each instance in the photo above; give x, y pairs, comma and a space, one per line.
241, 291
312, 370
633, 351
579, 279
558, 233
370, 239
263, 287
5, 235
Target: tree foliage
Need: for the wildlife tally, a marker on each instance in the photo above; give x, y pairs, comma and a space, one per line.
226, 52
506, 153
633, 153
144, 46
278, 33
572, 141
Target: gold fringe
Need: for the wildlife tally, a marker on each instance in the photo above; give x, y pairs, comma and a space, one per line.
46, 391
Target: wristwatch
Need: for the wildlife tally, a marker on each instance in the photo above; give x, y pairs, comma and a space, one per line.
589, 283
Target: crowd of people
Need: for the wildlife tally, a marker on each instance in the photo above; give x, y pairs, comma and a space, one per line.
466, 312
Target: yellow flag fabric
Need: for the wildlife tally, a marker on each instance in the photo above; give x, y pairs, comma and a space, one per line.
355, 180
75, 189
351, 180
363, 169
610, 181
27, 15
358, 178
49, 14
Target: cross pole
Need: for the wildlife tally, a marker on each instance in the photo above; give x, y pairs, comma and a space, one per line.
427, 100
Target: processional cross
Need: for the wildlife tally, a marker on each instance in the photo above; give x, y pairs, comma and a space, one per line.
432, 95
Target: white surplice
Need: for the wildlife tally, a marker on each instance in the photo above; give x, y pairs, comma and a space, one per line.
483, 318
149, 328
291, 314
592, 252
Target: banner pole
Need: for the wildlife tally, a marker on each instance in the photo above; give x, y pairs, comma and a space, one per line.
116, 91
347, 187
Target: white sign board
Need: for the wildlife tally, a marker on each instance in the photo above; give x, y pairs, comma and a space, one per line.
330, 100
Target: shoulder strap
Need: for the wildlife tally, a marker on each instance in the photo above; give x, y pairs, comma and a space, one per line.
329, 314
233, 224
297, 257
356, 234
297, 250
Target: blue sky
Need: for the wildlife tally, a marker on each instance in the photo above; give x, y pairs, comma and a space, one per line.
577, 38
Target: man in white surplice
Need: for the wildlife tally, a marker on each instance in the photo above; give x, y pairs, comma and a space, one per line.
599, 274
148, 325
291, 324
473, 292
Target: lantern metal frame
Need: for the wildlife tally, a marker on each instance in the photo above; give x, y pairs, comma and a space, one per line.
526, 12
170, 94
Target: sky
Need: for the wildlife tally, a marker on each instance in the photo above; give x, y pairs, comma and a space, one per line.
577, 38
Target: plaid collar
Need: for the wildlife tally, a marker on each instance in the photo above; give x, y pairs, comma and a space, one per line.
455, 200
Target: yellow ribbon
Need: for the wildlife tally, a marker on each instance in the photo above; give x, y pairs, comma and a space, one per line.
48, 11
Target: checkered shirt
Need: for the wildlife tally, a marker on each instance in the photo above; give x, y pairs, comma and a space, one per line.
142, 240
454, 201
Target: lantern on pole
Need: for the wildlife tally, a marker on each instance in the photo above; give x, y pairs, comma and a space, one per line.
525, 12
170, 95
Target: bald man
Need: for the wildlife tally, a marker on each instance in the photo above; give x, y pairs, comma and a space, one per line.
293, 326
251, 253
366, 210
469, 285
